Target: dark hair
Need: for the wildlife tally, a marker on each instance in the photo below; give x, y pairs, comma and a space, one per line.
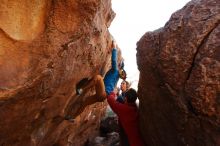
127, 84
131, 95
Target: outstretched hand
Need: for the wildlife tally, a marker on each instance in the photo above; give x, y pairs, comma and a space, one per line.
117, 91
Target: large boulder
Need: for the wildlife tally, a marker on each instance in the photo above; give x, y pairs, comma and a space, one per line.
179, 86
46, 48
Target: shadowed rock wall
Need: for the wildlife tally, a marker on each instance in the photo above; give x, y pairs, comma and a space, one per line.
46, 47
179, 86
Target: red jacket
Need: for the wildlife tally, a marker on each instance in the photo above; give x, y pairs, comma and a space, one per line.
128, 117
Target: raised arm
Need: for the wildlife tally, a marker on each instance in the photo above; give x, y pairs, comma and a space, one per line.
117, 107
114, 56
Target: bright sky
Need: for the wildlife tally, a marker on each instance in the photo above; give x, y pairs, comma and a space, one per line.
133, 19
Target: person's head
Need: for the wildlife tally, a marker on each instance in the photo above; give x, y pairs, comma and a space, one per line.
130, 95
124, 85
122, 74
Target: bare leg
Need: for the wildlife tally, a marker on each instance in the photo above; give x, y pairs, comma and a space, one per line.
98, 83
99, 96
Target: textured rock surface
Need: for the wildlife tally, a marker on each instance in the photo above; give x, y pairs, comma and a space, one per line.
46, 47
179, 84
108, 135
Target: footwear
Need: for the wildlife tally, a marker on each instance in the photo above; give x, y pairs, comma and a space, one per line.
79, 91
80, 85
69, 118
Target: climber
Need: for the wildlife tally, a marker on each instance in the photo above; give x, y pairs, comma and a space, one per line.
127, 113
102, 88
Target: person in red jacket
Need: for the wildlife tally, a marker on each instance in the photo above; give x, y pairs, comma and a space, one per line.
128, 115
125, 85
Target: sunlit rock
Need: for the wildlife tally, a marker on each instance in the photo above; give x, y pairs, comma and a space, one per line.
46, 47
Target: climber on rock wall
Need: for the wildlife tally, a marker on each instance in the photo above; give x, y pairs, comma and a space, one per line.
103, 89
127, 112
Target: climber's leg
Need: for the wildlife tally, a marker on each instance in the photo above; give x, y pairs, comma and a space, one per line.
100, 93
97, 82
99, 96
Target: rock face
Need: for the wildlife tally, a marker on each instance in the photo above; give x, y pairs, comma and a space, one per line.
109, 133
46, 47
179, 86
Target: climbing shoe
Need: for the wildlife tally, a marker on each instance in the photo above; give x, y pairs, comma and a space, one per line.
80, 85
69, 118
79, 91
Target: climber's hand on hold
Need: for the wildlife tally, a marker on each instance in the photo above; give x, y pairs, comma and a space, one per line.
114, 44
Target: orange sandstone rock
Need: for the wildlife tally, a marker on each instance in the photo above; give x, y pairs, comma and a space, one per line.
46, 47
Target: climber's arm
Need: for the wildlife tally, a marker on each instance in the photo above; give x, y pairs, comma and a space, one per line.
117, 107
114, 56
